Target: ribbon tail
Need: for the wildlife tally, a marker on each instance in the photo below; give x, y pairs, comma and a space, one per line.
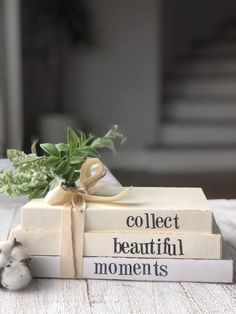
67, 264
73, 218
96, 198
78, 222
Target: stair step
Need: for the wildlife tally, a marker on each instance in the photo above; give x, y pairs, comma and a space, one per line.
189, 110
229, 31
174, 160
216, 134
200, 96
221, 41
224, 47
201, 86
207, 66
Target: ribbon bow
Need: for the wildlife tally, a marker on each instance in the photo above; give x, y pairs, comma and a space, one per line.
85, 191
73, 216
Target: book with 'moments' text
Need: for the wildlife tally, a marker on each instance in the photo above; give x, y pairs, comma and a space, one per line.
201, 270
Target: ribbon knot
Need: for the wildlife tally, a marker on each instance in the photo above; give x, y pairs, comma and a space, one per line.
73, 218
82, 190
87, 187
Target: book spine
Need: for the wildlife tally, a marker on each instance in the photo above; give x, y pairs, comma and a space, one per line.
185, 245
140, 269
38, 241
149, 221
156, 245
129, 220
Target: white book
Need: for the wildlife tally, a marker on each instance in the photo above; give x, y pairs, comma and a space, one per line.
149, 209
141, 269
162, 245
113, 244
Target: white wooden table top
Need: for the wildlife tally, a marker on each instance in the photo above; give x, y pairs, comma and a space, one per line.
103, 296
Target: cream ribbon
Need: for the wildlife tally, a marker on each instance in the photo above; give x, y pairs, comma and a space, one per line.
73, 219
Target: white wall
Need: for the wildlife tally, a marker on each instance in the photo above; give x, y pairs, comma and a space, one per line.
2, 98
13, 76
117, 82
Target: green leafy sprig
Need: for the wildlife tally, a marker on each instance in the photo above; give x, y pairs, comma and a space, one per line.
35, 175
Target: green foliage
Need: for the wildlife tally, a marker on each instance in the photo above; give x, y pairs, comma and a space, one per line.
28, 175
35, 175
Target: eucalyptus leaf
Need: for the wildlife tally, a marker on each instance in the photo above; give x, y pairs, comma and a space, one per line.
98, 142
62, 169
108, 143
78, 167
38, 193
90, 138
72, 139
75, 160
82, 138
68, 178
51, 149
52, 161
62, 147
78, 152
89, 151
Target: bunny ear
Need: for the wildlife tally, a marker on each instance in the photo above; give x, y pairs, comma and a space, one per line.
16, 243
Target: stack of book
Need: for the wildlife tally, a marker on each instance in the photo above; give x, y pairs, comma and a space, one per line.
156, 234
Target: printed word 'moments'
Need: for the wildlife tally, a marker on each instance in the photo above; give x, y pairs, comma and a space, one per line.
130, 269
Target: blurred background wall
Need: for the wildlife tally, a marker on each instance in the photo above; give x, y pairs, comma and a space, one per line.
118, 81
164, 71
11, 108
2, 88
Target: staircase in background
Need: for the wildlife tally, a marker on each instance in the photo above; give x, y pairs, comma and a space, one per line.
200, 95
198, 133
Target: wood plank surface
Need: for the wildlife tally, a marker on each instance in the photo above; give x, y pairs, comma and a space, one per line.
100, 296
47, 296
212, 298
138, 297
